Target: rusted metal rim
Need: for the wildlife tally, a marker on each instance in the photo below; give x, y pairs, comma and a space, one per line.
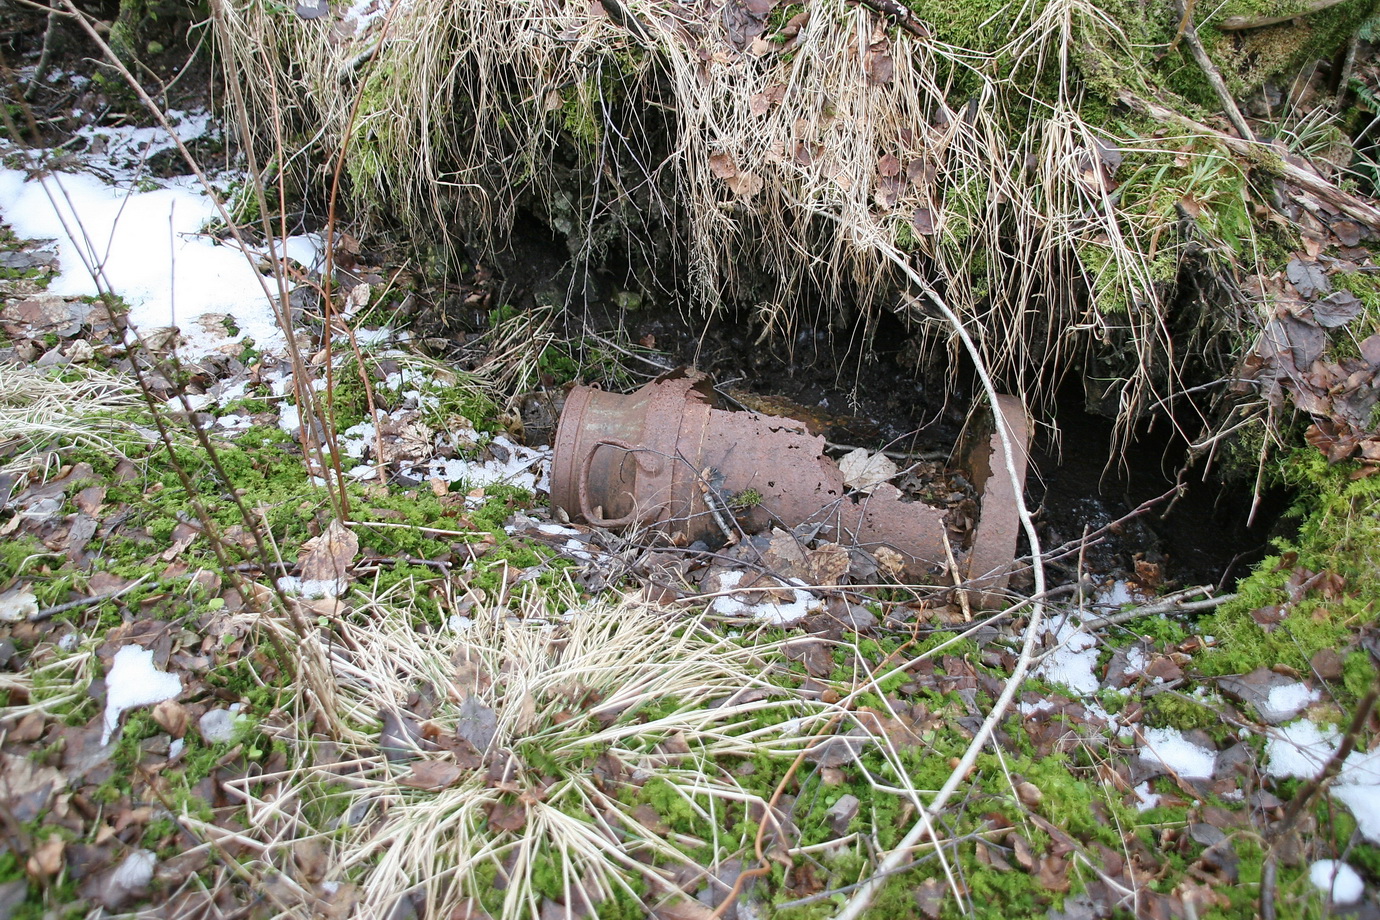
993, 550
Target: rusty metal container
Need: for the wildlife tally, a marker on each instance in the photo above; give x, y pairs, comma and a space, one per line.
665, 458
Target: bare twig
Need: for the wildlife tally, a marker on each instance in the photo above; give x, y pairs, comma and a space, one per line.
48, 612
1214, 76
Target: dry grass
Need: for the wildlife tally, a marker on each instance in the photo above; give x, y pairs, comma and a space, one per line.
801, 167
39, 411
581, 702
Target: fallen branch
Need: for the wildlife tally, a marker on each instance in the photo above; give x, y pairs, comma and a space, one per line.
1172, 604
1214, 76
40, 615
1238, 23
1348, 204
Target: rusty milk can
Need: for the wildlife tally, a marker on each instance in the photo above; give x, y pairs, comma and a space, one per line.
663, 457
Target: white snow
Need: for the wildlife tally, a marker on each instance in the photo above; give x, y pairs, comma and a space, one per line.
17, 604
134, 681
1136, 660
774, 612
1341, 882
135, 872
1364, 802
1300, 749
1146, 799
1171, 750
122, 152
1303, 750
1073, 662
149, 248
526, 467
218, 726
1291, 698
557, 530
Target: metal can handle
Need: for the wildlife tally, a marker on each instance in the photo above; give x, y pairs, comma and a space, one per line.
649, 464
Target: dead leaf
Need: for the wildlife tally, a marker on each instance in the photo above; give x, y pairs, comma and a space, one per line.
171, 716
89, 500
863, 471
889, 562
328, 558
888, 165
1308, 278
47, 860
828, 564
1348, 232
1337, 309
923, 221
26, 787
745, 184
881, 69
1054, 873
722, 165
929, 897
507, 816
477, 724
183, 536
432, 775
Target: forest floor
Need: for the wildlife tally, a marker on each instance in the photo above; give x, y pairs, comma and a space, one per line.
236, 679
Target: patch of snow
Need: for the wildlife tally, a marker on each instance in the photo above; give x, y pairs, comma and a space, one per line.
307, 250
1288, 700
516, 470
69, 642
17, 604
1114, 595
175, 749
289, 418
1136, 661
557, 530
135, 872
1364, 802
149, 247
1073, 662
1339, 881
458, 623
774, 612
1300, 749
1171, 750
134, 681
123, 151
364, 13
576, 548
1146, 799
313, 587
235, 422
1303, 750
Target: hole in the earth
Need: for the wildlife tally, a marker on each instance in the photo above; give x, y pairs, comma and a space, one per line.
875, 401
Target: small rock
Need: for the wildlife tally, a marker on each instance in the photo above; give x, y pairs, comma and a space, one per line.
217, 726
1327, 664
842, 812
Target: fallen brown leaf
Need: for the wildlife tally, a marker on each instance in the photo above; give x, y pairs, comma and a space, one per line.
432, 775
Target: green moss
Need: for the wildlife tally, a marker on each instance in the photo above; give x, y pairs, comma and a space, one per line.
1169, 710
1339, 528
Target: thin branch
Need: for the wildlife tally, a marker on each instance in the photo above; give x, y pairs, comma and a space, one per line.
1214, 76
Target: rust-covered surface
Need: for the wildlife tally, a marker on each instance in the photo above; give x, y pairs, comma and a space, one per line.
665, 458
